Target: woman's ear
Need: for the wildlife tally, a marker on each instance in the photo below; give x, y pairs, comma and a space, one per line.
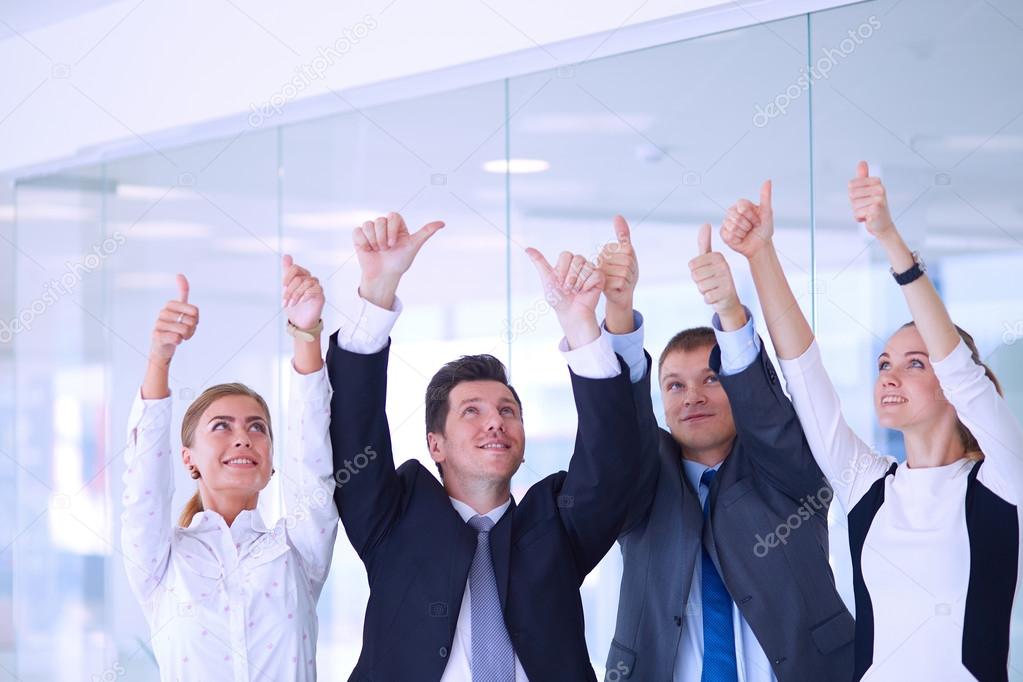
186, 456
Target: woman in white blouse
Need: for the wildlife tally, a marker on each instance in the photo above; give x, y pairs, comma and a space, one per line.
934, 541
227, 598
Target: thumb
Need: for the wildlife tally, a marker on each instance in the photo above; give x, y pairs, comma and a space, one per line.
622, 231
425, 232
182, 288
703, 239
765, 197
541, 264
286, 262
862, 170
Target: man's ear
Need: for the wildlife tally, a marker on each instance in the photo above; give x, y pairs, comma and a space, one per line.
434, 442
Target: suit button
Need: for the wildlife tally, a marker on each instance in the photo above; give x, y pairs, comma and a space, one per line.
443, 652
778, 660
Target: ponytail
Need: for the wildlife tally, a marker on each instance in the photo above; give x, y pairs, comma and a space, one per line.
192, 507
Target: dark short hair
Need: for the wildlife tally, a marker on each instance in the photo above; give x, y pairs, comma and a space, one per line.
687, 340
465, 368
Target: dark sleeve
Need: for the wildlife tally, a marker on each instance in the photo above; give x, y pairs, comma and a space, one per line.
646, 484
768, 428
609, 468
369, 491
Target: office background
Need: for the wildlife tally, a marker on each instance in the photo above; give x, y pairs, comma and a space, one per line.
668, 135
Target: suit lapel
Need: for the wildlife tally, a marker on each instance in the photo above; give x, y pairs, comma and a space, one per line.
500, 551
461, 563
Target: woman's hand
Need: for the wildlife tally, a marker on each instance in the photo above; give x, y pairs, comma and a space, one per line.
175, 323
303, 295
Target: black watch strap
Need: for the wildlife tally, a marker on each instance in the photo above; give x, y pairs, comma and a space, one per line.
911, 275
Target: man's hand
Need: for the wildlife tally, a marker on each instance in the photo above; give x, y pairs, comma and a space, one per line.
572, 288
749, 227
303, 296
713, 278
176, 323
385, 250
870, 203
618, 263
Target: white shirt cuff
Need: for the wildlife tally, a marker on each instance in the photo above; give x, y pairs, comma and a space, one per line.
630, 346
739, 348
595, 360
309, 387
365, 327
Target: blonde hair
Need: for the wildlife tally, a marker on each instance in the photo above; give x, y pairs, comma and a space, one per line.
969, 441
191, 421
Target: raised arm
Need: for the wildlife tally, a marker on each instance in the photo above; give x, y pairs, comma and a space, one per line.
307, 477
847, 462
608, 465
146, 521
369, 493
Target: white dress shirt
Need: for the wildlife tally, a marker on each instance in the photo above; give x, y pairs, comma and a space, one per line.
232, 603
739, 349
366, 331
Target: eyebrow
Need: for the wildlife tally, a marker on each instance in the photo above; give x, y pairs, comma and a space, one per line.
225, 418
479, 400
908, 352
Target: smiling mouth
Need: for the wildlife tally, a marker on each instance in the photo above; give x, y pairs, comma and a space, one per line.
696, 417
495, 446
243, 462
893, 400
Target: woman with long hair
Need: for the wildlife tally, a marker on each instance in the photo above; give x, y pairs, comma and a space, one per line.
935, 540
225, 596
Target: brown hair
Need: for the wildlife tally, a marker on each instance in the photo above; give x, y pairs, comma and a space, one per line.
191, 421
970, 444
687, 340
465, 368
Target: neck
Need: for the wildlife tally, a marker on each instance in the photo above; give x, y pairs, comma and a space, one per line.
482, 496
933, 445
228, 504
710, 456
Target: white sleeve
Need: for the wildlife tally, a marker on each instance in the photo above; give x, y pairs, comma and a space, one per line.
365, 327
630, 347
595, 360
849, 464
739, 348
308, 475
146, 524
989, 419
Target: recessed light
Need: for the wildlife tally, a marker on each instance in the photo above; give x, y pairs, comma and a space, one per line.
516, 166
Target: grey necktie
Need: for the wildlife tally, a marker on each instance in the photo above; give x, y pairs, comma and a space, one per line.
493, 657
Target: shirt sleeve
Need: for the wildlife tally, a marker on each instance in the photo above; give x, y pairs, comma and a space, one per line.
739, 348
595, 360
849, 464
146, 524
307, 481
365, 326
988, 417
630, 347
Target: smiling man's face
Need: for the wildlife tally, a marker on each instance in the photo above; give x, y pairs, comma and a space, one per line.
696, 406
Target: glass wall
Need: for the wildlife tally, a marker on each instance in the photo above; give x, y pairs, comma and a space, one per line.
668, 136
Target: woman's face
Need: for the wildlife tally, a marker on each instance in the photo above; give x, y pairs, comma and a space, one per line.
907, 393
231, 447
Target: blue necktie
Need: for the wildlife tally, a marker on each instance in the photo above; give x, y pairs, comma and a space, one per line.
493, 657
718, 631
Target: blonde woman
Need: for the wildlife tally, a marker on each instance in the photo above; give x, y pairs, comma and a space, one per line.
226, 597
934, 540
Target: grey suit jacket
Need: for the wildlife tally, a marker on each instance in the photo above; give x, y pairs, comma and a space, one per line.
767, 534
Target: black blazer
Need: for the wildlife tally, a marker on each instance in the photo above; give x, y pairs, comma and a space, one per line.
767, 536
418, 551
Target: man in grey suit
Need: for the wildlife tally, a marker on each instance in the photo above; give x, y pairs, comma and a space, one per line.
726, 574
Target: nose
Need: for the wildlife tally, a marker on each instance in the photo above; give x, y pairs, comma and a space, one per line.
694, 397
495, 423
890, 380
243, 442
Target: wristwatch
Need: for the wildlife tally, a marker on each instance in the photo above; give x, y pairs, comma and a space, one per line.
305, 334
913, 274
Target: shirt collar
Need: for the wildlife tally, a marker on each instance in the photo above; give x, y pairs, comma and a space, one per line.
467, 512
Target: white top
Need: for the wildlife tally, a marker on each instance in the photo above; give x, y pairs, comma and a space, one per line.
916, 558
366, 331
739, 349
232, 603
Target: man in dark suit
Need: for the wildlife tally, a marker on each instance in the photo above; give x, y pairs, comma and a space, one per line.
726, 574
465, 583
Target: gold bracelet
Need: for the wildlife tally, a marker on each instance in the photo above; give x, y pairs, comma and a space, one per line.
305, 334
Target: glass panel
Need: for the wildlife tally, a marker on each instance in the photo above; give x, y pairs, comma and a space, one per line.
926, 92
424, 158
669, 137
9, 470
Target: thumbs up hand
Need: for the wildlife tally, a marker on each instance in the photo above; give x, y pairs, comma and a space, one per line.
748, 227
713, 278
176, 323
870, 202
